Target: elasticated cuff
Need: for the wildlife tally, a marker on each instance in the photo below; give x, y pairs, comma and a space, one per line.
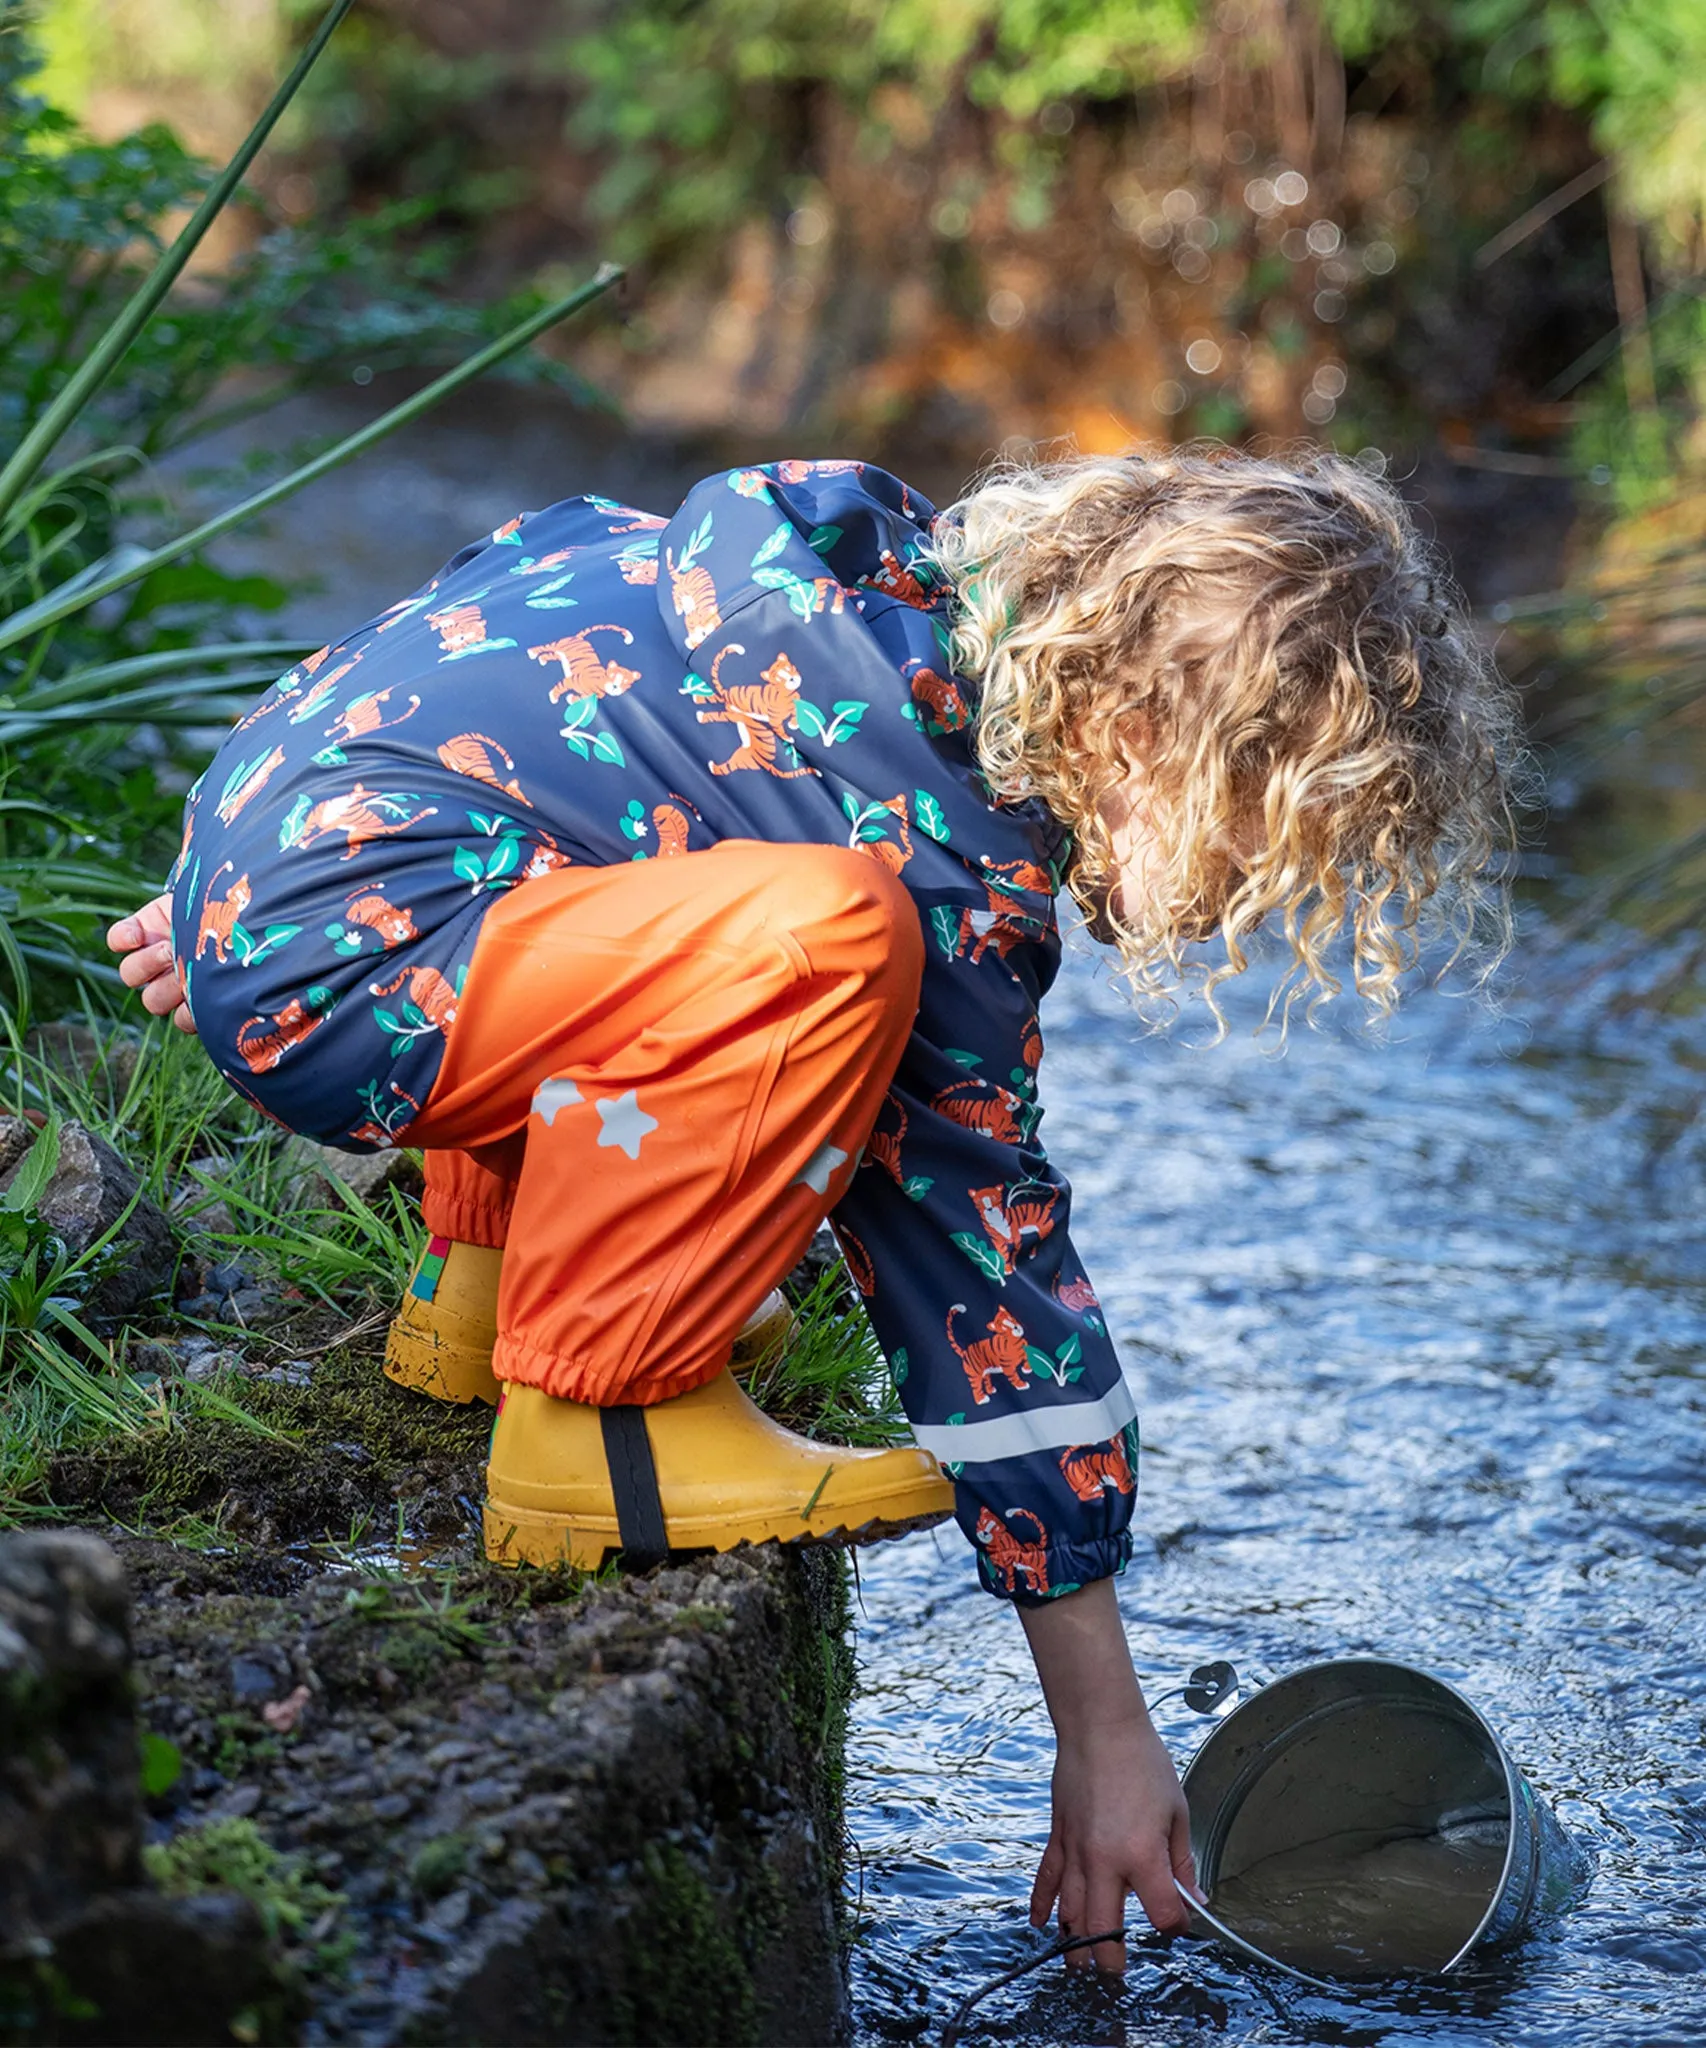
465, 1220
1067, 1566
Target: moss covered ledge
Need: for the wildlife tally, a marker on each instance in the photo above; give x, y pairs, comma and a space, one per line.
505, 1808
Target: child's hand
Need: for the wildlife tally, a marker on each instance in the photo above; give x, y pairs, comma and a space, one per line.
145, 940
1120, 1822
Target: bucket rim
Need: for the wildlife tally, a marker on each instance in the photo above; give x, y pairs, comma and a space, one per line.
1512, 1777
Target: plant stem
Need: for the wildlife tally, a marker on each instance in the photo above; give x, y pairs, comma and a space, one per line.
113, 346
49, 611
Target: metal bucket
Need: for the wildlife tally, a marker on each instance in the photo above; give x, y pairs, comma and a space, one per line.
1361, 1819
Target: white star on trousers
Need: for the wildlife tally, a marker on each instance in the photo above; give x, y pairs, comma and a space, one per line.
820, 1169
625, 1123
551, 1096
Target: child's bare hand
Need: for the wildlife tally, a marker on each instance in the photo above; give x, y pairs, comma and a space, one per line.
1120, 1822
145, 940
1120, 1826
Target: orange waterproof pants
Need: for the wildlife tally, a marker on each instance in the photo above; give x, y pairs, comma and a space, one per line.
657, 1085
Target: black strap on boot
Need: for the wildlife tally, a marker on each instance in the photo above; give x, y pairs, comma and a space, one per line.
634, 1482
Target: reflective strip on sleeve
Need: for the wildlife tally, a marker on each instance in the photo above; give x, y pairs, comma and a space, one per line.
1055, 1428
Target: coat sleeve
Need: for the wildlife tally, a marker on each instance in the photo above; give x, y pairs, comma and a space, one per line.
956, 1231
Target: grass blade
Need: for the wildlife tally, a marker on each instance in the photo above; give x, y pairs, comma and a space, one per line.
50, 610
110, 351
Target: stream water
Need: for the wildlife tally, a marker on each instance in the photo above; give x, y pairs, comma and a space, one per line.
1423, 1328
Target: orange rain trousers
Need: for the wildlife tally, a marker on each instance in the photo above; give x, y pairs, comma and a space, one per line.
658, 1083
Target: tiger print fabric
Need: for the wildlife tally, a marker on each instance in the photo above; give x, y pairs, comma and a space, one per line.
593, 684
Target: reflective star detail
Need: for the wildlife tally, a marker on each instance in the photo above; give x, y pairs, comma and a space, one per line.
551, 1096
820, 1169
625, 1123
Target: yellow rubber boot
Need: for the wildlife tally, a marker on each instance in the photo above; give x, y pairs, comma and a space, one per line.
441, 1339
726, 1475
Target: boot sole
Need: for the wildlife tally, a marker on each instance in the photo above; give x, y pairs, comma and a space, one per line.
442, 1371
528, 1536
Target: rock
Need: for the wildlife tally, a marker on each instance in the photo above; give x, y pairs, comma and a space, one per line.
70, 1801
148, 1970
259, 1675
90, 1189
365, 1174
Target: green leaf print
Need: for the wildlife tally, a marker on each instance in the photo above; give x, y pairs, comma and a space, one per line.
294, 819
770, 548
983, 1256
916, 1186
386, 1022
581, 712
344, 941
331, 757
928, 812
1040, 1362
899, 1366
505, 855
606, 748
845, 723
577, 744
945, 923
822, 538
960, 1058
811, 722
252, 951
696, 686
1070, 1352
416, 1017
850, 806
633, 824
468, 867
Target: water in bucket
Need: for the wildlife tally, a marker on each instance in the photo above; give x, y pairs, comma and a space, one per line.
1361, 1819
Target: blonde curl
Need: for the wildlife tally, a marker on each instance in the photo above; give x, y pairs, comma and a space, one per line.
1321, 739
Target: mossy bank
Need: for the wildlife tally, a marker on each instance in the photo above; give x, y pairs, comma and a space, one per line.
454, 1804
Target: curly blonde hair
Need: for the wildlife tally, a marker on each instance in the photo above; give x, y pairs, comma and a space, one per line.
1270, 642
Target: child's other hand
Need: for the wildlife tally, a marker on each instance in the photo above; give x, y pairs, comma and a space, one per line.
145, 940
1120, 1821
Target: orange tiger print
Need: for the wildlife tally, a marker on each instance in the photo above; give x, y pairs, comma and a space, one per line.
1076, 1295
1091, 1469
693, 594
460, 628
261, 1052
219, 919
364, 715
250, 787
1011, 1214
353, 815
940, 706
883, 1147
998, 1354
639, 569
321, 689
545, 858
584, 675
672, 829
894, 579
892, 853
763, 716
1031, 1043
859, 1268
1004, 924
1011, 1557
983, 1106
392, 922
470, 753
430, 993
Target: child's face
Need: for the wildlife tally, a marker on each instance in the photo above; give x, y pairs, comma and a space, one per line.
1138, 855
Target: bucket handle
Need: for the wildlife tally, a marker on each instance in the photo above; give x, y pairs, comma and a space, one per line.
1235, 1940
1206, 1690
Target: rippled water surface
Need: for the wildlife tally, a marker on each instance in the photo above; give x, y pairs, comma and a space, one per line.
1422, 1331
